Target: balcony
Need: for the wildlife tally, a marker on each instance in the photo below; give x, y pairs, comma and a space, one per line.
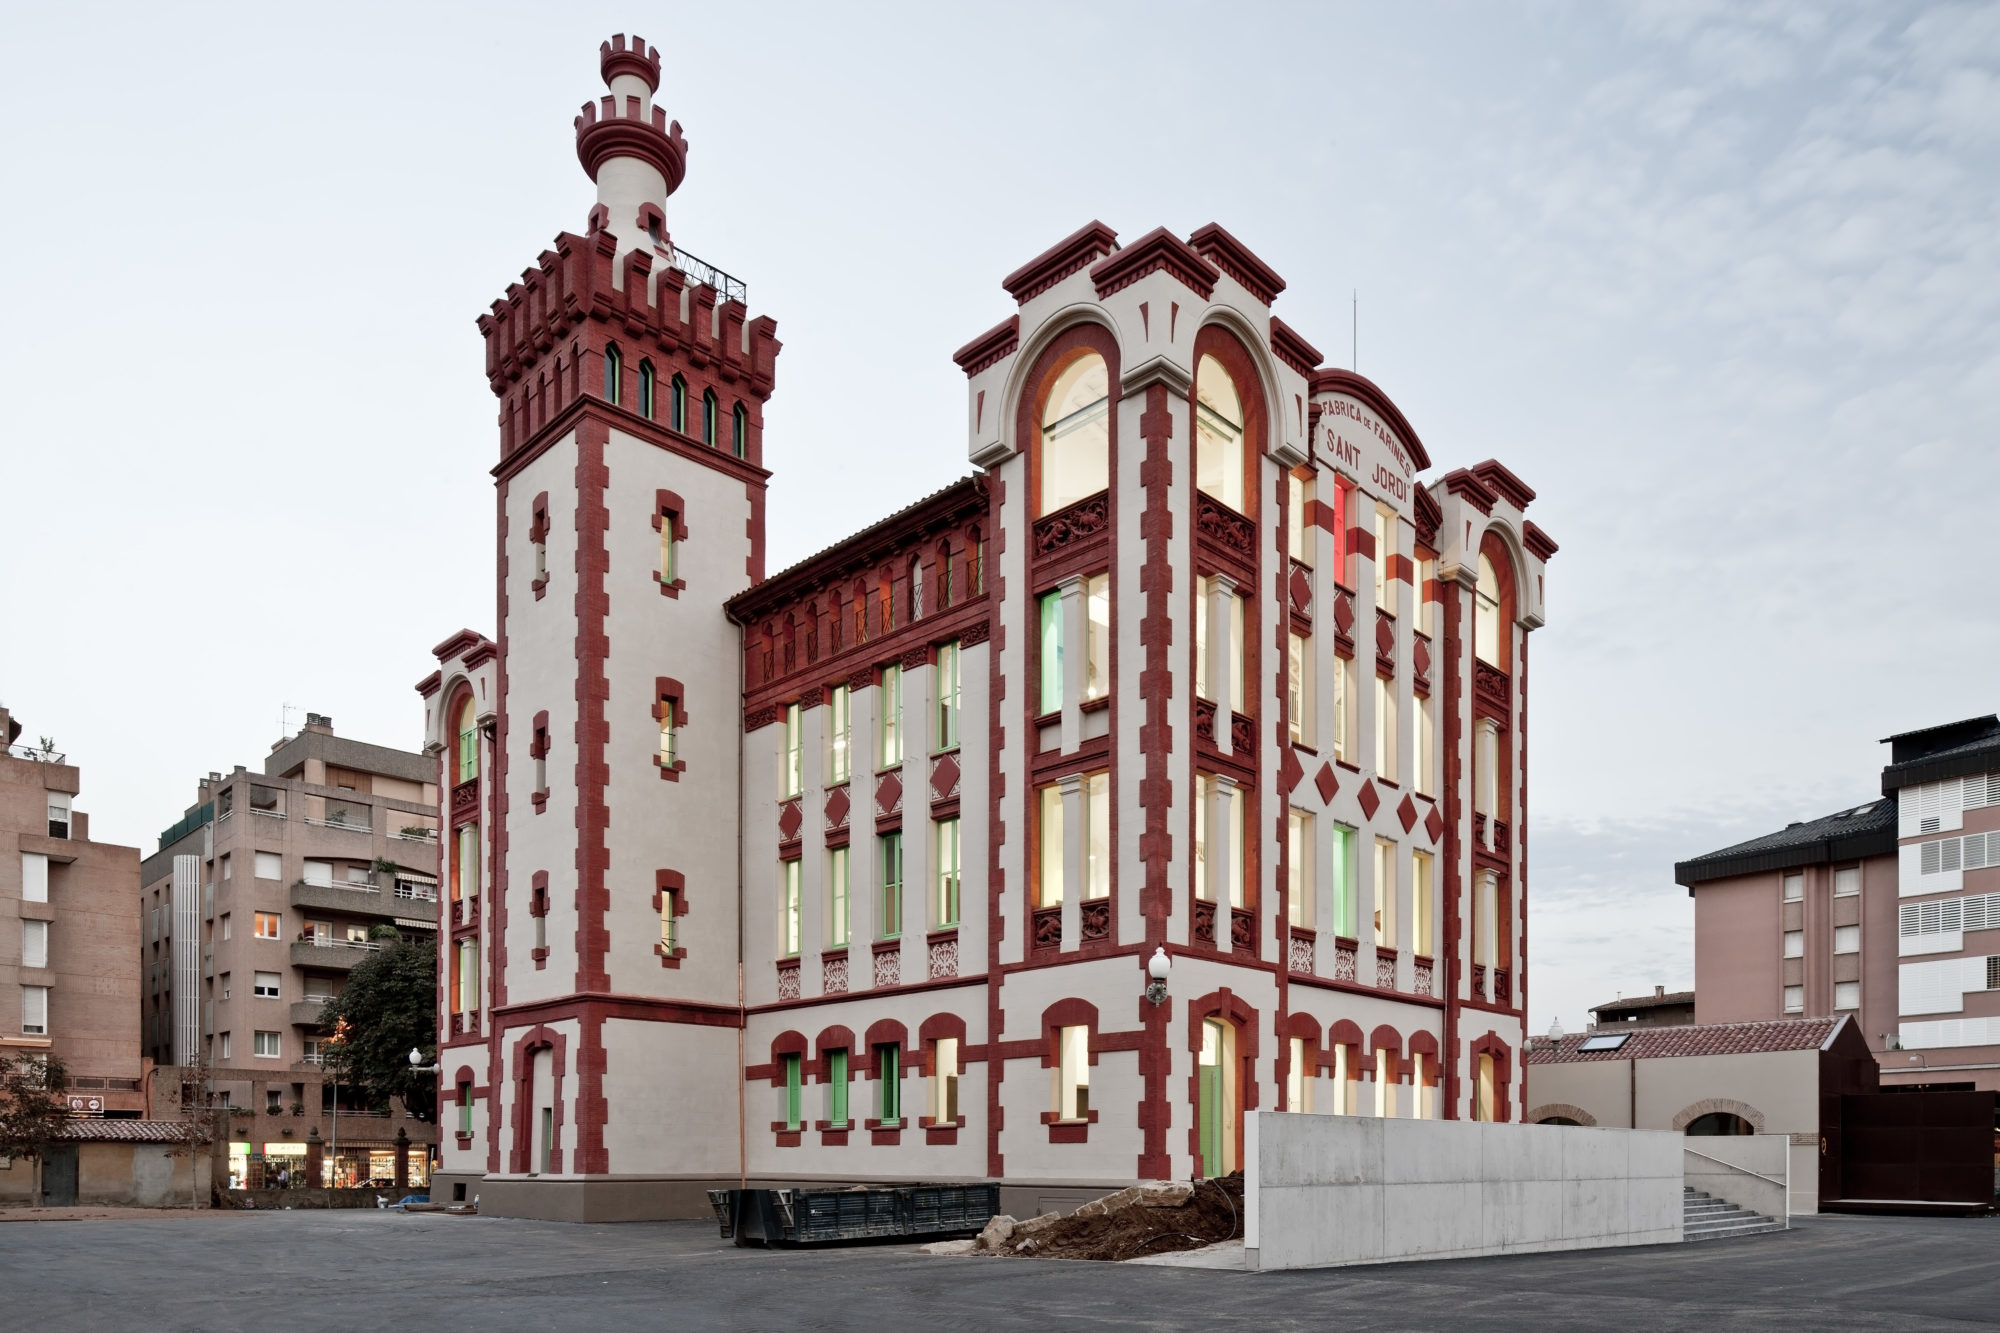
306, 1012
358, 899
332, 955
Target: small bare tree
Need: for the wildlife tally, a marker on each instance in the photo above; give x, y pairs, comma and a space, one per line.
33, 1107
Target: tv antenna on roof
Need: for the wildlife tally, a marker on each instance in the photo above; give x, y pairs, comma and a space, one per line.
285, 712
1354, 347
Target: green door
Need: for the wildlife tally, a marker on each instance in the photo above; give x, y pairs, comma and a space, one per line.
1213, 1120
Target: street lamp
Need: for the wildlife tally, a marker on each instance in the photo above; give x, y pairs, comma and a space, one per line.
417, 1065
1157, 968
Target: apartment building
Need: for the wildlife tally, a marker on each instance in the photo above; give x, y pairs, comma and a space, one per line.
68, 928
257, 905
857, 870
1888, 911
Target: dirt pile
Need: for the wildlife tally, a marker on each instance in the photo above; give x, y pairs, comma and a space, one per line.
1127, 1225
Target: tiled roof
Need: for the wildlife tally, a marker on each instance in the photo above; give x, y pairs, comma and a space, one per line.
1646, 1001
1868, 829
90, 1129
1793, 1034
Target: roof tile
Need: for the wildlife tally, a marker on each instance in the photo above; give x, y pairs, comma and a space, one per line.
1664, 1043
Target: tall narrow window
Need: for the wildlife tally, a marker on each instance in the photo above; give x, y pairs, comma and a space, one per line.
669, 547
1233, 818
677, 404
1486, 1097
1385, 556
1423, 911
795, 1084
1486, 627
788, 910
1343, 541
1097, 636
1299, 852
465, 1108
646, 390
944, 580
1386, 730
946, 676
793, 775
669, 936
1048, 846
468, 974
1298, 688
1238, 644
1385, 894
546, 1158
1426, 746
1051, 651
739, 431
35, 945
839, 735
1427, 591
465, 862
837, 914
1344, 709
1423, 1085
1486, 919
613, 372
1218, 434
709, 412
915, 582
1298, 1077
1075, 458
1072, 1073
975, 564
35, 1011
1298, 529
468, 741
1344, 1100
888, 1084
669, 738
1385, 1083
1097, 849
889, 910
944, 1081
890, 752
836, 1089
944, 837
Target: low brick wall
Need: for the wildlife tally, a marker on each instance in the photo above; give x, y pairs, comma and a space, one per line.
309, 1198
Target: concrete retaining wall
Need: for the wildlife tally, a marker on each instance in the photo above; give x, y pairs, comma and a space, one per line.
1325, 1190
1750, 1170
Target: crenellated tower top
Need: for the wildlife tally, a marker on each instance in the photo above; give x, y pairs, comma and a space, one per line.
628, 147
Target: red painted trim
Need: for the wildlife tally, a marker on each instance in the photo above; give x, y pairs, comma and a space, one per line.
597, 1006
1072, 254
1158, 251
990, 348
1332, 379
1233, 257
1504, 483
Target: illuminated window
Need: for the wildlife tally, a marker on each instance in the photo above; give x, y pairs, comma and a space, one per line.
1385, 1083
889, 912
267, 925
890, 751
1076, 435
839, 735
944, 837
1072, 1090
1486, 1104
788, 925
1385, 894
1238, 663
836, 898
1423, 912
1387, 732
1097, 636
944, 1081
1298, 530
1218, 434
1299, 851
1298, 1077
793, 775
1232, 874
1049, 846
946, 674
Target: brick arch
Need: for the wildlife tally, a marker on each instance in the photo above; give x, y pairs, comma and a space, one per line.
938, 1025
536, 1039
789, 1042
1563, 1109
1386, 1038
1503, 1072
1344, 1032
1233, 1008
833, 1039
882, 1032
1688, 1114
1306, 1028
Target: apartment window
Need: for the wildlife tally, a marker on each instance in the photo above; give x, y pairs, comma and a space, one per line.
1486, 626
1298, 1078
1203, 786
1218, 434
59, 814
225, 925
267, 925
889, 856
34, 944
647, 383
1385, 894
1795, 944
1050, 610
1795, 888
836, 1089
944, 837
468, 741
264, 1045
227, 1045
1299, 688
794, 772
1074, 458
1846, 995
465, 862
34, 877
946, 675
710, 409
944, 1081
464, 1106
1345, 704
613, 365
1072, 1073
1423, 908
264, 985
35, 1011
890, 753
837, 914
269, 866
1299, 851
1298, 532
888, 1084
839, 736
1385, 555
1387, 733
789, 926
1847, 939
1048, 846
1203, 687
794, 1090
1795, 999
1847, 883
739, 431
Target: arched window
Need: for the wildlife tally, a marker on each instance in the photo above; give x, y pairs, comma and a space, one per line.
1075, 440
646, 390
677, 404
1218, 434
1493, 606
708, 407
916, 587
739, 431
468, 740
613, 372
1719, 1123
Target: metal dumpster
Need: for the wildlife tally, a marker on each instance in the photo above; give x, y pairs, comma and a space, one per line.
820, 1215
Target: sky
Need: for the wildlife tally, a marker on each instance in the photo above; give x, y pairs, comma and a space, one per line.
1721, 282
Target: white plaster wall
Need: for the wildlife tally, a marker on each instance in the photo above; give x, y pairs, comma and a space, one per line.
1324, 1191
1114, 985
1750, 1171
763, 885
507, 1076
975, 783
668, 1109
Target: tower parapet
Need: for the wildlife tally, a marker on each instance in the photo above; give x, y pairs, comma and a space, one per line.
636, 156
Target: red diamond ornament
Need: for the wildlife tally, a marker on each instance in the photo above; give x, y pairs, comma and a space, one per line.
1370, 799
836, 807
1407, 812
1434, 824
1290, 771
888, 794
944, 776
789, 820
1328, 784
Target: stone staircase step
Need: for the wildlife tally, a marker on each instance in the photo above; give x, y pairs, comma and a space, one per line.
1704, 1217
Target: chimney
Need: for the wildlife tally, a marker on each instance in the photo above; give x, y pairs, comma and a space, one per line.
1659, 992
319, 724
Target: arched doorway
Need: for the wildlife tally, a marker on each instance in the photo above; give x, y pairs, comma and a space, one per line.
1718, 1123
1217, 1112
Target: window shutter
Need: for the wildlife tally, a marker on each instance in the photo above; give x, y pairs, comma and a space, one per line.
1930, 858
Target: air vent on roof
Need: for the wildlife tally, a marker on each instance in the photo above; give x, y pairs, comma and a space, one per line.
1610, 1041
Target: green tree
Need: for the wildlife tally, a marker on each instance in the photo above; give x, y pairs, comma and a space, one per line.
33, 1109
387, 1009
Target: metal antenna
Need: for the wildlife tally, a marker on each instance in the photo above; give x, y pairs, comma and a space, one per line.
1354, 352
285, 712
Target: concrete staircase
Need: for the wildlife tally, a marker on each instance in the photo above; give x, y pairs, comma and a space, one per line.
1707, 1218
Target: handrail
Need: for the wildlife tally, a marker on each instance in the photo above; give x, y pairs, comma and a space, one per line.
1769, 1180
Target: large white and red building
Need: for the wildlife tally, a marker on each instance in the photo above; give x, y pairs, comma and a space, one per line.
853, 871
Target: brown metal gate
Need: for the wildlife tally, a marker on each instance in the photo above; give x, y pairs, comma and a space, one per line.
1917, 1151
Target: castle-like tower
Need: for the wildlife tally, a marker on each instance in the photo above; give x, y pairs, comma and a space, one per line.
855, 871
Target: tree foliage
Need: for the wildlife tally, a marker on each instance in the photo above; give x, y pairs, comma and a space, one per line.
387, 1009
33, 1109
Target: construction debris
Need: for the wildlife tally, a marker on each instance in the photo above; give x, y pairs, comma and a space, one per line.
1139, 1220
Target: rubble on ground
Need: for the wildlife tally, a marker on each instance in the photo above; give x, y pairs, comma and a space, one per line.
1139, 1220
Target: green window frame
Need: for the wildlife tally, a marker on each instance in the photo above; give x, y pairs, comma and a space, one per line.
888, 1083
794, 774
468, 748
465, 1108
795, 1086
839, 736
790, 925
947, 697
1346, 874
739, 431
838, 925
950, 878
677, 404
889, 856
709, 411
613, 373
647, 382
836, 1101
889, 751
1051, 654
